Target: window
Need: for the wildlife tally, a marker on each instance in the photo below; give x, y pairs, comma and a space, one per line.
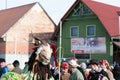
81, 9
90, 30
85, 10
74, 31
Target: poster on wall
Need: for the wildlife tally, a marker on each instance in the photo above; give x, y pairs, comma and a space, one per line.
88, 45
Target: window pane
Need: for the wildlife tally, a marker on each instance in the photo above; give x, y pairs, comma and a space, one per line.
90, 30
74, 31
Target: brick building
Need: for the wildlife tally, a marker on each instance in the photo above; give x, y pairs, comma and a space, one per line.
17, 25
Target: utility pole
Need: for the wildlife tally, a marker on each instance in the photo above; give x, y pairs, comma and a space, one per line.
60, 51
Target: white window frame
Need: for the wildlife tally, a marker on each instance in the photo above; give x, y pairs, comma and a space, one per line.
77, 30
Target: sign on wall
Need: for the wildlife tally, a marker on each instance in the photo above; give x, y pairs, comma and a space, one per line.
88, 45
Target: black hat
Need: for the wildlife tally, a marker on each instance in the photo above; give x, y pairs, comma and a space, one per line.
93, 61
2, 60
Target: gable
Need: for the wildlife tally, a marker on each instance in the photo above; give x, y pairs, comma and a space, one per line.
35, 21
81, 9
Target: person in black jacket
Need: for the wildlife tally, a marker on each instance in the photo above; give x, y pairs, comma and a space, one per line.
81, 67
81, 70
96, 72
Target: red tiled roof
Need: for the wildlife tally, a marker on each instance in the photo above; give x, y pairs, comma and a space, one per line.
9, 17
107, 14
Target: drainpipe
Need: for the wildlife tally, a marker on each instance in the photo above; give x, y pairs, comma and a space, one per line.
60, 47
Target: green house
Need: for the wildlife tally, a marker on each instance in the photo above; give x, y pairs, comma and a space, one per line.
87, 31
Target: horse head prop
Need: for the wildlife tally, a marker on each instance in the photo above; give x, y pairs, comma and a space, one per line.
43, 53
39, 61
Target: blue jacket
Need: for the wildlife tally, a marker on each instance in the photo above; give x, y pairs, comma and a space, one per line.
3, 71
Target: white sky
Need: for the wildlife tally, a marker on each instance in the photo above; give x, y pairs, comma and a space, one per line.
55, 8
110, 2
13, 3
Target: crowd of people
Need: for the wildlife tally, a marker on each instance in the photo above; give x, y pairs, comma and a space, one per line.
14, 67
39, 68
70, 70
94, 70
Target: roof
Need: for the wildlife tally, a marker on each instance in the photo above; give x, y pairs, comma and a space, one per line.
117, 43
107, 14
9, 17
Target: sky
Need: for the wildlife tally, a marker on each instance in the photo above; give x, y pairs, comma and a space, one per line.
54, 8
110, 2
13, 3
